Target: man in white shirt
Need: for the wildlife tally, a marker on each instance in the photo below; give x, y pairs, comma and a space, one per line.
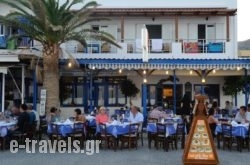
241, 116
135, 115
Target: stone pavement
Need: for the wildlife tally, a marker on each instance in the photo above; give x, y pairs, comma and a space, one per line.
141, 156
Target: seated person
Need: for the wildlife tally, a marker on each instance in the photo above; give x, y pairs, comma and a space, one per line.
158, 113
52, 117
101, 117
241, 115
135, 115
78, 116
32, 115
22, 120
212, 121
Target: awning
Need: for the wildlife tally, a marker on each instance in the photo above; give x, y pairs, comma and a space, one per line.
159, 64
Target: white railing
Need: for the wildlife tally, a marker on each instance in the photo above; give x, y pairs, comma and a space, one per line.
155, 46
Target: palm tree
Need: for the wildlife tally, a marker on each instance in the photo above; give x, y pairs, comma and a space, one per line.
52, 23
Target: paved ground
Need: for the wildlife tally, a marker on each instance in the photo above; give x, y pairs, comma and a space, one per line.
141, 156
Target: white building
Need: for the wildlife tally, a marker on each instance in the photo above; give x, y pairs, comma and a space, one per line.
189, 40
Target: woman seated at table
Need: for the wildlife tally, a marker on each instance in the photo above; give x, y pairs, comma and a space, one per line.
102, 117
212, 121
78, 116
53, 116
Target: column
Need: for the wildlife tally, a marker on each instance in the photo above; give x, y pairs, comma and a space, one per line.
3, 91
23, 84
34, 90
174, 110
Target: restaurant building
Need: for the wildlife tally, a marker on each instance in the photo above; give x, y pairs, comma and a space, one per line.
190, 47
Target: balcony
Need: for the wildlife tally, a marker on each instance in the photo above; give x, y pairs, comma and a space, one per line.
158, 48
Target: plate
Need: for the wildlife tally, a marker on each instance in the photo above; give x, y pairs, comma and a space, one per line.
200, 128
205, 142
196, 142
193, 149
208, 149
197, 135
204, 135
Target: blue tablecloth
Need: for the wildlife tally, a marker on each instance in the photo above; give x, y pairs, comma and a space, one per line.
171, 128
240, 131
115, 130
63, 129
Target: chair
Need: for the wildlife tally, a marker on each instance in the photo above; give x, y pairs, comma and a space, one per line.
165, 48
106, 137
78, 132
180, 133
161, 136
151, 135
56, 133
227, 136
42, 128
132, 137
31, 130
79, 48
130, 48
105, 48
21, 135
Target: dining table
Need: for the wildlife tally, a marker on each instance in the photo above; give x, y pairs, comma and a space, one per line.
5, 125
238, 130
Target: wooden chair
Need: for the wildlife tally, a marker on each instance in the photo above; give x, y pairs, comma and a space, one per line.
180, 134
42, 128
132, 137
106, 138
227, 136
78, 132
56, 133
161, 136
151, 135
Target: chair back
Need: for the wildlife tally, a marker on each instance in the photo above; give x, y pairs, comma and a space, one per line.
161, 129
226, 130
55, 129
134, 128
152, 120
103, 129
180, 129
79, 127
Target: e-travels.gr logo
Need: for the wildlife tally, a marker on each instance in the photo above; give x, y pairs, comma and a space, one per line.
61, 146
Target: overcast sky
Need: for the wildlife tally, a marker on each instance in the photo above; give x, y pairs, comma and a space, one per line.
243, 20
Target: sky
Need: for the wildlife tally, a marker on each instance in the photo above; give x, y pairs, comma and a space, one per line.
243, 13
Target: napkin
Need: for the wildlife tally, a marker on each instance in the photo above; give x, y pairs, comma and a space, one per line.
234, 123
67, 122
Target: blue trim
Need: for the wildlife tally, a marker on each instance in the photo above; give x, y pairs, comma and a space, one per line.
174, 92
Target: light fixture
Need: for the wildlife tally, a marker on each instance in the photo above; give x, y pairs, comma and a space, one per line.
238, 68
69, 64
214, 71
93, 67
203, 80
145, 80
166, 71
144, 72
120, 71
190, 72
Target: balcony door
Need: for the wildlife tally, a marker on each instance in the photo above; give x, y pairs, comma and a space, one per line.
154, 31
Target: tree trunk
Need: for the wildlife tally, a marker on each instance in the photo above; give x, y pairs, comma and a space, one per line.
51, 75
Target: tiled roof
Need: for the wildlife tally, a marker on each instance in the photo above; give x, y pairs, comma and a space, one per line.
164, 11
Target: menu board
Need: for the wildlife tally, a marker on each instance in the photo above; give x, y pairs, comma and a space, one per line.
200, 147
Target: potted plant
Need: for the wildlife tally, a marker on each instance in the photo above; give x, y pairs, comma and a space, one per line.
129, 89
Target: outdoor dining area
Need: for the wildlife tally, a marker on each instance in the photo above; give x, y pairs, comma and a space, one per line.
126, 129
